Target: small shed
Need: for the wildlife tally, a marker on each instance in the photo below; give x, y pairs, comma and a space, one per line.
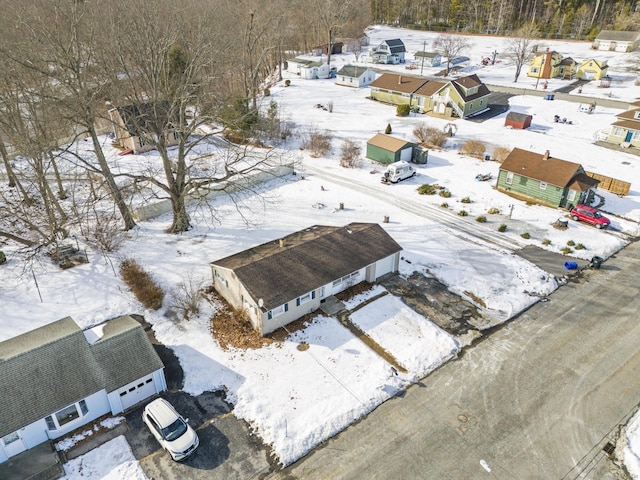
387, 149
517, 120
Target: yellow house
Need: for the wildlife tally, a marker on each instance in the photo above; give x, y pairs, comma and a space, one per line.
550, 64
592, 69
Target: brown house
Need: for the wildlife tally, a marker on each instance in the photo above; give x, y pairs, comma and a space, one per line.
136, 128
517, 120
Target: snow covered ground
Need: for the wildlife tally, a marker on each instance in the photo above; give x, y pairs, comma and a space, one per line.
348, 379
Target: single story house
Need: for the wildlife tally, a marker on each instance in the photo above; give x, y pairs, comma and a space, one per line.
626, 130
387, 149
278, 282
294, 65
551, 64
315, 70
617, 41
545, 179
355, 76
592, 69
134, 126
428, 59
58, 378
517, 120
461, 97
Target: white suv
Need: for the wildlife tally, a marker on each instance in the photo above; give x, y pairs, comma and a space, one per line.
172, 431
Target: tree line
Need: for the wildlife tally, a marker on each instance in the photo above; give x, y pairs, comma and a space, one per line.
579, 19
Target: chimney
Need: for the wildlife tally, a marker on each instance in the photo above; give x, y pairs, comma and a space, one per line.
546, 155
281, 242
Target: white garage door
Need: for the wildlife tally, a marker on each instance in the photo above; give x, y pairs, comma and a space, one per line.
137, 391
406, 154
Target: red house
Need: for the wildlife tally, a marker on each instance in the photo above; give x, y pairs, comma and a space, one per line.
518, 120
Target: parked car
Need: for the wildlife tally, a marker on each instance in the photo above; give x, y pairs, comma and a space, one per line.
590, 215
172, 431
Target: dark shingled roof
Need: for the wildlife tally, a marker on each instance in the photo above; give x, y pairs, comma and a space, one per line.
518, 117
618, 36
309, 259
53, 366
151, 117
353, 71
396, 45
582, 182
465, 83
628, 124
397, 83
533, 165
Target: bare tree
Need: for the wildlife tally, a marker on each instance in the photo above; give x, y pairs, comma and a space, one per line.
333, 15
520, 47
450, 46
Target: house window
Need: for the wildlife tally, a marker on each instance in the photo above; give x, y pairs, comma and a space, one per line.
175, 135
471, 106
346, 278
141, 141
273, 313
617, 132
51, 425
83, 407
636, 135
535, 70
509, 179
221, 279
523, 180
67, 415
572, 195
543, 185
305, 298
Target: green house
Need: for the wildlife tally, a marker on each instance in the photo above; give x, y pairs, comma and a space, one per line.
545, 179
387, 149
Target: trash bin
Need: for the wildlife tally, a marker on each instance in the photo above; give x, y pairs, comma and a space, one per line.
596, 262
570, 265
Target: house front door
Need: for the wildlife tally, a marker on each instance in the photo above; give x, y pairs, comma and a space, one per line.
13, 444
629, 136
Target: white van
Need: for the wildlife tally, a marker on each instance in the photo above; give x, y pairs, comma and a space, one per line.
397, 172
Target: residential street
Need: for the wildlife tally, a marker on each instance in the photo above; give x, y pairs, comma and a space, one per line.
538, 399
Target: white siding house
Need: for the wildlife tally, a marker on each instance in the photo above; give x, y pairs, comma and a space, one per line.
278, 282
354, 76
74, 377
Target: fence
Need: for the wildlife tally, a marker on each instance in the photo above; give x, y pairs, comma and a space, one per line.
619, 187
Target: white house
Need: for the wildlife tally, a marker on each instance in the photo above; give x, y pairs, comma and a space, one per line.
294, 65
280, 281
354, 76
387, 52
428, 59
617, 41
58, 378
315, 70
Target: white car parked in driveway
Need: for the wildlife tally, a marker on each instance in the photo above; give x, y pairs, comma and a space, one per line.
172, 431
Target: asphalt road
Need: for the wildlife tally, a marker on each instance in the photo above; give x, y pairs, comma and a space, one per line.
538, 399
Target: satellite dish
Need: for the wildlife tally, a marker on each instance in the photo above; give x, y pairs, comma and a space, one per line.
260, 303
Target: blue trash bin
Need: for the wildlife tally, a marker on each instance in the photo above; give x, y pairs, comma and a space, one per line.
570, 265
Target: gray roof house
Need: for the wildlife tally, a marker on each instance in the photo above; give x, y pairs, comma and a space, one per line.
58, 378
355, 76
280, 281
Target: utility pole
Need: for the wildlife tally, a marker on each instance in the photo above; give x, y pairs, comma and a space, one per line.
424, 46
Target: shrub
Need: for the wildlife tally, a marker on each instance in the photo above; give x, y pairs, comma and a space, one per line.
429, 136
319, 143
580, 247
466, 200
287, 83
500, 153
106, 232
186, 297
493, 211
525, 235
3, 258
444, 205
267, 92
445, 193
546, 241
463, 213
388, 129
481, 219
571, 243
473, 148
502, 228
141, 284
350, 154
566, 251
426, 189
403, 110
